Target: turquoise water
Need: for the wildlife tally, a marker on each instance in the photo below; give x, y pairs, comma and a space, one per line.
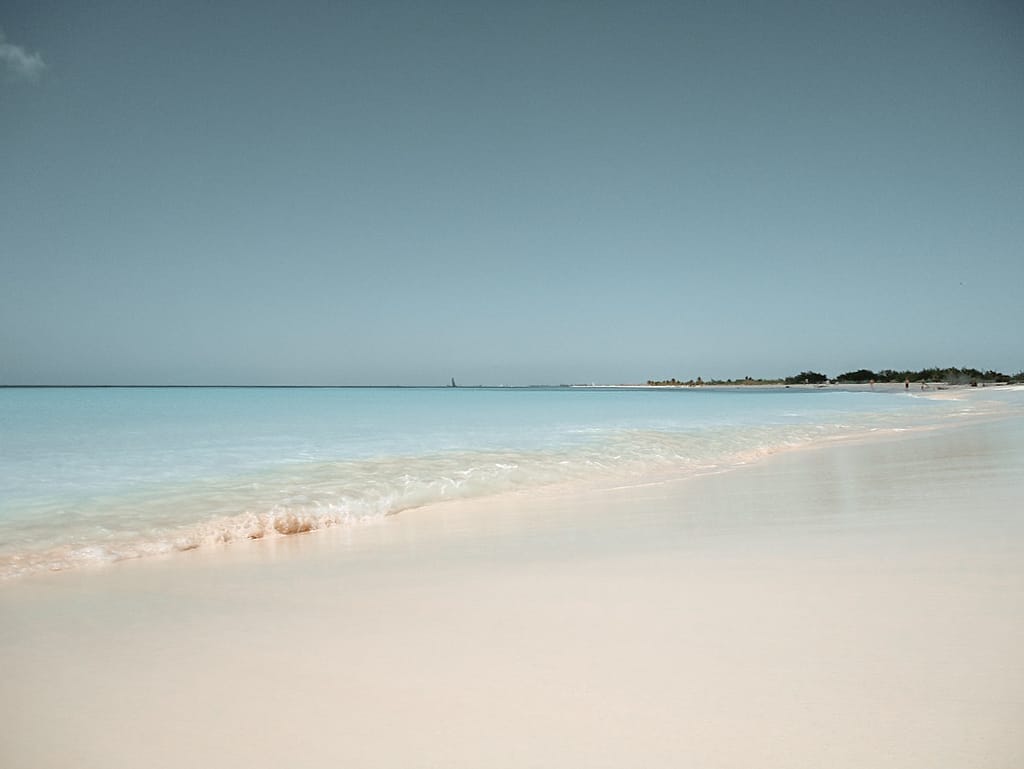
97, 475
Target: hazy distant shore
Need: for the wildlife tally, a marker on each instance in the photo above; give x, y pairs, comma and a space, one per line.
915, 387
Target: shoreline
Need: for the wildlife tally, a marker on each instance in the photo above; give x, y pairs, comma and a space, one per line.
300, 530
857, 605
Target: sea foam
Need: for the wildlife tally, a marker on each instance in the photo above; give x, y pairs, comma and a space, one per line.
147, 502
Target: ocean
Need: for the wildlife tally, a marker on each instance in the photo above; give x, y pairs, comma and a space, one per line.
95, 475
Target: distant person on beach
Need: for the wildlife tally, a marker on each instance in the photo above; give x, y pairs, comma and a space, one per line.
906, 383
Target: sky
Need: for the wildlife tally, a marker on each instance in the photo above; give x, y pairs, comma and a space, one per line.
521, 192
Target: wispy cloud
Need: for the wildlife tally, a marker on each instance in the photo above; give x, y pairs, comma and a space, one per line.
19, 62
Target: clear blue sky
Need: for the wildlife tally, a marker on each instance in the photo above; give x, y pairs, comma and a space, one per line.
507, 193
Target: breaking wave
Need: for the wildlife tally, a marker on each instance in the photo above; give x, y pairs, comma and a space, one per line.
302, 497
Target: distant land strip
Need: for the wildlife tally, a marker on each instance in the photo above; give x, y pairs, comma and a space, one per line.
950, 375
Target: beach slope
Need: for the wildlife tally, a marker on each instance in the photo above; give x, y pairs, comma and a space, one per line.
860, 605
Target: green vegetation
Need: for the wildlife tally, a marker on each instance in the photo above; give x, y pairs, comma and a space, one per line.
699, 382
950, 375
807, 377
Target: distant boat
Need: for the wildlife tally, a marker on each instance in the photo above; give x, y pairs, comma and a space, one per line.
453, 382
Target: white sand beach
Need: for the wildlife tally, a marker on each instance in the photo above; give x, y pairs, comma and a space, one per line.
858, 605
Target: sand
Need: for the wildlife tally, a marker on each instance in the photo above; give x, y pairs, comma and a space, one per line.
859, 605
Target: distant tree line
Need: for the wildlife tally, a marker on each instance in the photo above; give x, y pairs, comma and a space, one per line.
806, 377
949, 375
699, 382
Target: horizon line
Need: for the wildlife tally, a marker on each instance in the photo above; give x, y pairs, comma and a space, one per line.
288, 386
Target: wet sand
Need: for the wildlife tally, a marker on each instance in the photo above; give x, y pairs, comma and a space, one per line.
858, 605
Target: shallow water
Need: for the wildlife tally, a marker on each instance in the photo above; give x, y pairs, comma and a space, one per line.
99, 475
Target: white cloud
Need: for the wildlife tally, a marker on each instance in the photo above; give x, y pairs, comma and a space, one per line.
20, 63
